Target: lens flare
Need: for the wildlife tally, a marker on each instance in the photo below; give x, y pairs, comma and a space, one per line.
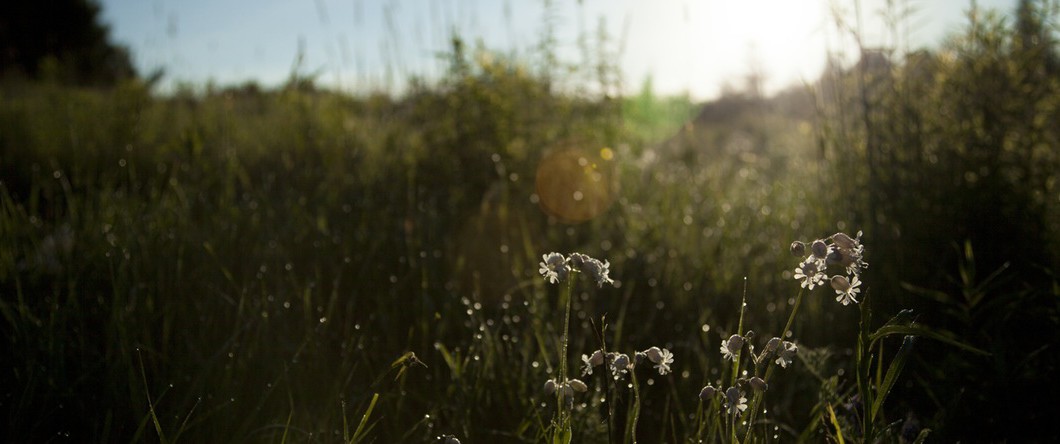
574, 185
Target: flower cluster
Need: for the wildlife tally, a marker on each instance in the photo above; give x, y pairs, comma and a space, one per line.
619, 363
735, 397
783, 350
555, 268
567, 388
839, 250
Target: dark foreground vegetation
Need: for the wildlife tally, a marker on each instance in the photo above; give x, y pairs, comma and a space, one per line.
248, 265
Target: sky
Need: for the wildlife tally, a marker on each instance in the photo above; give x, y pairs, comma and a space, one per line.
686, 47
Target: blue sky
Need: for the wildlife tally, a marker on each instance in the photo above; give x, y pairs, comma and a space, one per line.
358, 45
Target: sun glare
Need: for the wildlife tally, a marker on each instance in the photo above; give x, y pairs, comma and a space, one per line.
699, 47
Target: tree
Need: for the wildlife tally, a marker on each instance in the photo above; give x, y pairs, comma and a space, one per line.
60, 40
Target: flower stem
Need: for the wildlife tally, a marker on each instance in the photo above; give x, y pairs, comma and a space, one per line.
757, 400
565, 297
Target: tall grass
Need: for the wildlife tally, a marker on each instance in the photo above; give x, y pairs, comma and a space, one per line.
298, 265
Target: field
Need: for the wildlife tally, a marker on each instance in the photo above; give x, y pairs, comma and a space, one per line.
243, 264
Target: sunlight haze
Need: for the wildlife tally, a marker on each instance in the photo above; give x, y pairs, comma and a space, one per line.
358, 45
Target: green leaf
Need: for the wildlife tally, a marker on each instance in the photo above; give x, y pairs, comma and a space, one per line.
835, 423
919, 330
920, 438
564, 435
893, 370
361, 432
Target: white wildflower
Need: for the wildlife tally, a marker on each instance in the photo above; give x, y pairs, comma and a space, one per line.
662, 359
619, 365
554, 267
847, 290
786, 353
596, 359
735, 401
811, 272
731, 347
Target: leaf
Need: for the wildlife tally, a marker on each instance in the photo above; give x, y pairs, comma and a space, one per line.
359, 434
893, 370
920, 438
564, 435
835, 423
919, 330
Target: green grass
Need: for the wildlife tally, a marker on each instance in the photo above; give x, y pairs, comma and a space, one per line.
303, 266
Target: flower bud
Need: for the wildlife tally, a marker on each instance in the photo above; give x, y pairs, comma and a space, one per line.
654, 354
707, 393
597, 358
578, 386
772, 345
734, 343
798, 249
550, 387
840, 283
844, 241
819, 249
758, 384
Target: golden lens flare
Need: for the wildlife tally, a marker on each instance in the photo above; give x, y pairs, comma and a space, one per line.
575, 185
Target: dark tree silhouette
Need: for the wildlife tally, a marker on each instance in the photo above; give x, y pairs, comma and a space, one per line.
62, 40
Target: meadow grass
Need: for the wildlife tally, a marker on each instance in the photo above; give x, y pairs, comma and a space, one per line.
298, 265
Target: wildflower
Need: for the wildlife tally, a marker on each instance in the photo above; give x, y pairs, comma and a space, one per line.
596, 270
798, 249
850, 253
810, 272
554, 268
577, 259
568, 392
847, 290
577, 385
735, 401
819, 249
772, 345
619, 364
596, 359
786, 353
758, 384
662, 359
731, 347
707, 393
550, 387
842, 240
